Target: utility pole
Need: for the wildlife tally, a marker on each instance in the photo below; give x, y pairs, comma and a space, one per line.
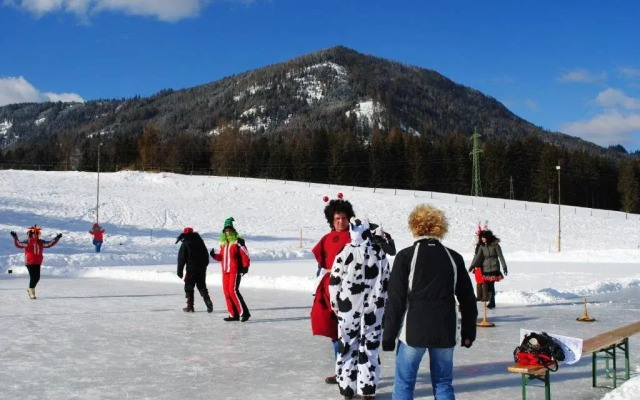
559, 230
98, 185
476, 185
511, 195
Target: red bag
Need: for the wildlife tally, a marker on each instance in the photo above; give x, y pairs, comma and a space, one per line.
526, 358
539, 349
478, 274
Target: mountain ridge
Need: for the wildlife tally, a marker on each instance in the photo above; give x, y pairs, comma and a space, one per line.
326, 89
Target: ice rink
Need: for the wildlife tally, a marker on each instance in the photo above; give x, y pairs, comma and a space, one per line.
89, 338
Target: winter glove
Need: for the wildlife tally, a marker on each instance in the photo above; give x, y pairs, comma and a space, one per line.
244, 270
58, 236
466, 343
15, 235
212, 253
180, 274
388, 345
471, 268
505, 272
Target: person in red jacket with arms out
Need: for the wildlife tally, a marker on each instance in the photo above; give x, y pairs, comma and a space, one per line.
235, 261
33, 248
97, 232
323, 321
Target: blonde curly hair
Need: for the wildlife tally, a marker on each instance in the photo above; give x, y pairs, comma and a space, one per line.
426, 220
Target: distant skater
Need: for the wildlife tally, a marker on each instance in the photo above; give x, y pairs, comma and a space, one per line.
97, 232
33, 249
193, 254
235, 261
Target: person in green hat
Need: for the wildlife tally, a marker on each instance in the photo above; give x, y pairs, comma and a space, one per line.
235, 261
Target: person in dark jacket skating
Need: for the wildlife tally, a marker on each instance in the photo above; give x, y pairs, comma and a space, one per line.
426, 279
489, 256
193, 253
33, 248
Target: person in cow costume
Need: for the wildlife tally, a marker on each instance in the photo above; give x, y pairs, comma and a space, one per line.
33, 248
358, 291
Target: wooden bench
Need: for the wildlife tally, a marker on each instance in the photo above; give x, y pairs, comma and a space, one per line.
605, 343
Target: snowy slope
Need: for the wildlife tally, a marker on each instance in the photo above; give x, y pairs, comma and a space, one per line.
143, 213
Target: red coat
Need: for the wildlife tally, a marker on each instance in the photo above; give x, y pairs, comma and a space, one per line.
233, 256
329, 246
33, 249
97, 234
323, 321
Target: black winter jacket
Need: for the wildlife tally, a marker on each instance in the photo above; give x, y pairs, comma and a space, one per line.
429, 304
193, 252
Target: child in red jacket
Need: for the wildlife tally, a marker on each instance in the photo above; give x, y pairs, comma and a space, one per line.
33, 248
97, 232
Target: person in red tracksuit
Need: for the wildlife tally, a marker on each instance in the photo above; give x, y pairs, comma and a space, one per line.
33, 248
323, 321
235, 261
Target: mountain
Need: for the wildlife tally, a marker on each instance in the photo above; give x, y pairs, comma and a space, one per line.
337, 89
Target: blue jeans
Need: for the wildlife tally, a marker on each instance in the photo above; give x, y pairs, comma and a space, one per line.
98, 245
440, 365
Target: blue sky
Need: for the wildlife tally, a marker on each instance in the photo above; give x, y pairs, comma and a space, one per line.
566, 66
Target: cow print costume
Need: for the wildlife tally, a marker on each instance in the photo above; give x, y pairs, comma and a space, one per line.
358, 290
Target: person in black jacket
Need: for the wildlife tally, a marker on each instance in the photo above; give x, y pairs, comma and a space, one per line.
193, 253
426, 279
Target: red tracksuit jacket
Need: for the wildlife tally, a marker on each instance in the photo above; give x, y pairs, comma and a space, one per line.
33, 249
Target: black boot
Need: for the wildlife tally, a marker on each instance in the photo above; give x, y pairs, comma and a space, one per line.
245, 317
207, 300
229, 319
491, 301
189, 307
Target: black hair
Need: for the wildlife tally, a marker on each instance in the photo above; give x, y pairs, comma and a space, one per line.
489, 235
338, 206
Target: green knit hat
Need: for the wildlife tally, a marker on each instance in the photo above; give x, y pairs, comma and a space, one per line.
228, 223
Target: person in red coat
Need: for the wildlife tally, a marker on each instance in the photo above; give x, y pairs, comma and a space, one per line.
33, 248
97, 232
323, 321
235, 261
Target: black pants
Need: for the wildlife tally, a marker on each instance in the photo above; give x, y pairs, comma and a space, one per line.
491, 291
198, 280
34, 275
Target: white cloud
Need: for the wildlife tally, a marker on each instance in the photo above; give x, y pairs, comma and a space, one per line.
18, 90
612, 98
582, 75
164, 10
609, 128
629, 72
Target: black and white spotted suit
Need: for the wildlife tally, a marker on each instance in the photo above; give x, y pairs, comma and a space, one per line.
358, 291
